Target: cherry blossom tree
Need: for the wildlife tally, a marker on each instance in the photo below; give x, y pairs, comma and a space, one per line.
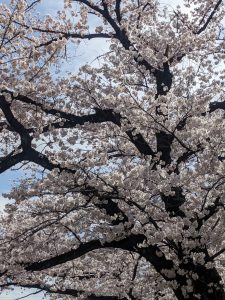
123, 196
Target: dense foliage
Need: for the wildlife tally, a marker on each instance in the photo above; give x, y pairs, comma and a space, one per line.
123, 196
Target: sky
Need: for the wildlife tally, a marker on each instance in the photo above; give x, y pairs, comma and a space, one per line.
86, 53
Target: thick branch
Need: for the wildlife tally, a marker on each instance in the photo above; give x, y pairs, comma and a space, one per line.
14, 123
101, 115
127, 244
117, 10
216, 105
130, 243
66, 291
10, 161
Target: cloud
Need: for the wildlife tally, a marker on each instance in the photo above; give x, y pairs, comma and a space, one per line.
50, 7
3, 202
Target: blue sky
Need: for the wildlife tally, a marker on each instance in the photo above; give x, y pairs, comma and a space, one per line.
6, 182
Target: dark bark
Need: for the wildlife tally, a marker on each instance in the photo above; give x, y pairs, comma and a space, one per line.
164, 142
163, 80
201, 285
173, 203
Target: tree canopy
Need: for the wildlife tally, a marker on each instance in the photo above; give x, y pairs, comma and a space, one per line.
123, 194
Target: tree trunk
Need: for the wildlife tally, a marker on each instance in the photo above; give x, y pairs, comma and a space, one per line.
207, 287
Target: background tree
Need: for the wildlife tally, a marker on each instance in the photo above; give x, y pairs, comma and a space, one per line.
124, 194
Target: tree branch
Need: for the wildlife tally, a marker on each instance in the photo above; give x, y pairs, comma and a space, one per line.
126, 244
201, 29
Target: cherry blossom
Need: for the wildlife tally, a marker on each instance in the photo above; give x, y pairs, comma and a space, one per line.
123, 195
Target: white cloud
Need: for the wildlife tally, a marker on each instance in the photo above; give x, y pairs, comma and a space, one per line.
3, 202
